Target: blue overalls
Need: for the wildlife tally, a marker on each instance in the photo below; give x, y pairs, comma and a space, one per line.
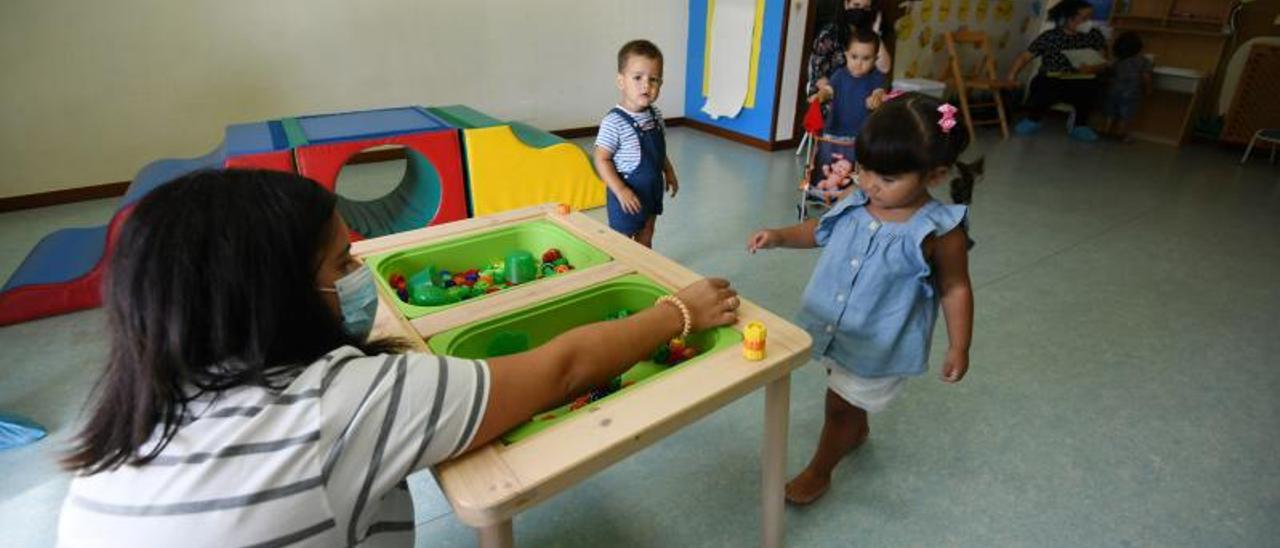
645, 180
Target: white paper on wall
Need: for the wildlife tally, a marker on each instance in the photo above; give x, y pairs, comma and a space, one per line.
729, 65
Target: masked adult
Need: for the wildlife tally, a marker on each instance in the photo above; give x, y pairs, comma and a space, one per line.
1059, 80
243, 402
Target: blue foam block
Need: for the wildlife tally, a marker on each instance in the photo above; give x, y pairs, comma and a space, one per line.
254, 138
70, 253
160, 172
328, 128
61, 257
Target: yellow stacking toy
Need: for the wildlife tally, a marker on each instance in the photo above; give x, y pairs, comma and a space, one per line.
753, 338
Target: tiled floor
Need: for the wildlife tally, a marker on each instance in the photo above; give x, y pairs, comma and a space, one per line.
1125, 387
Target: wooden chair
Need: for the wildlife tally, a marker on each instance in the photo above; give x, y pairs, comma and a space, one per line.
981, 78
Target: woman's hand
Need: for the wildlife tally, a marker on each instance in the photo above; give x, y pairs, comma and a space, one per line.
711, 303
762, 239
629, 201
1092, 69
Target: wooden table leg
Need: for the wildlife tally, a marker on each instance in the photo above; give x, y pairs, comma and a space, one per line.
498, 535
777, 402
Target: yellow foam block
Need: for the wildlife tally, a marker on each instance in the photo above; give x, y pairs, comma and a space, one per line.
504, 173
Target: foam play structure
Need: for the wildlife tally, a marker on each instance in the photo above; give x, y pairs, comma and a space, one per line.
459, 162
515, 165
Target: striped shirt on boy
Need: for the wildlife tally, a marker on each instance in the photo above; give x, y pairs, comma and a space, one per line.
617, 136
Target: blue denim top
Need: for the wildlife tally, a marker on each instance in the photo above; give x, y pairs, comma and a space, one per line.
871, 304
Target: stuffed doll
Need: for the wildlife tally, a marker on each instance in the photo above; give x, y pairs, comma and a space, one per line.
838, 174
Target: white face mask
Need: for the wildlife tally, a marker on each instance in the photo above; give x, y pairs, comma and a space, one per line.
1085, 27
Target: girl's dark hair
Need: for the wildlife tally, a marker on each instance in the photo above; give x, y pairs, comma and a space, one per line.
1067, 9
211, 286
1127, 45
903, 136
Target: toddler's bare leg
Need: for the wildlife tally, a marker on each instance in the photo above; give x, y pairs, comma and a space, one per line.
1122, 130
645, 235
843, 430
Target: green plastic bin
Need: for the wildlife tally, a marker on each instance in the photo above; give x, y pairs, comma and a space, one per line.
478, 250
534, 325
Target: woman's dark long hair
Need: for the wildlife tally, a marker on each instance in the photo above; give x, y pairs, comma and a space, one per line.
211, 286
1066, 9
844, 25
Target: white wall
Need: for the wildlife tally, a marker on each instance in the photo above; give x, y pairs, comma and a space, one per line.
94, 90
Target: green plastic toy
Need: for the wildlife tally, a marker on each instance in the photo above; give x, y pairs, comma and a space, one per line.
425, 276
430, 295
521, 267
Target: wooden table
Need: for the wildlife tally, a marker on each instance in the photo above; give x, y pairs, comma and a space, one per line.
490, 485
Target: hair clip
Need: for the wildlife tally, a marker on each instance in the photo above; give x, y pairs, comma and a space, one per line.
948, 119
894, 94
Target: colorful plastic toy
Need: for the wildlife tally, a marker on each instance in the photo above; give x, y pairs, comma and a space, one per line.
753, 341
520, 267
475, 282
430, 295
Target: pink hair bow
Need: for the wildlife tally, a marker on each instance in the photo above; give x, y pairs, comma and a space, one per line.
948, 119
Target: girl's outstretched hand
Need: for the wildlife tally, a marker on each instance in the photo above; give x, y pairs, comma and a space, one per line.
955, 366
762, 239
711, 302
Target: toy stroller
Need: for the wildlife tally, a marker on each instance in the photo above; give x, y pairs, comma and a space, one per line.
828, 169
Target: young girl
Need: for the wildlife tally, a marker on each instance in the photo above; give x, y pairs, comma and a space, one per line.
892, 253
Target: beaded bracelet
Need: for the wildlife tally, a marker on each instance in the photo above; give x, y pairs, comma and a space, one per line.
684, 312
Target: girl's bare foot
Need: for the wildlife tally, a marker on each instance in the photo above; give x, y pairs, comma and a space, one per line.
812, 482
807, 487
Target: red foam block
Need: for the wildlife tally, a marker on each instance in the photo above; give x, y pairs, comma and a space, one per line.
280, 160
323, 162
30, 302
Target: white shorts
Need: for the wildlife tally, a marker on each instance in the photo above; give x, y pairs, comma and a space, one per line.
871, 394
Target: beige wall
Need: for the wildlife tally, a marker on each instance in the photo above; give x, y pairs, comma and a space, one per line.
94, 90
1010, 26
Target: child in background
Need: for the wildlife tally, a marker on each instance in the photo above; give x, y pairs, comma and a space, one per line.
855, 89
891, 254
631, 151
1130, 79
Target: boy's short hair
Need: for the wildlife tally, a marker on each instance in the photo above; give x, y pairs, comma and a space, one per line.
643, 48
1127, 45
863, 36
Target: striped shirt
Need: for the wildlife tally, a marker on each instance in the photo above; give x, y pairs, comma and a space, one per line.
617, 136
319, 463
